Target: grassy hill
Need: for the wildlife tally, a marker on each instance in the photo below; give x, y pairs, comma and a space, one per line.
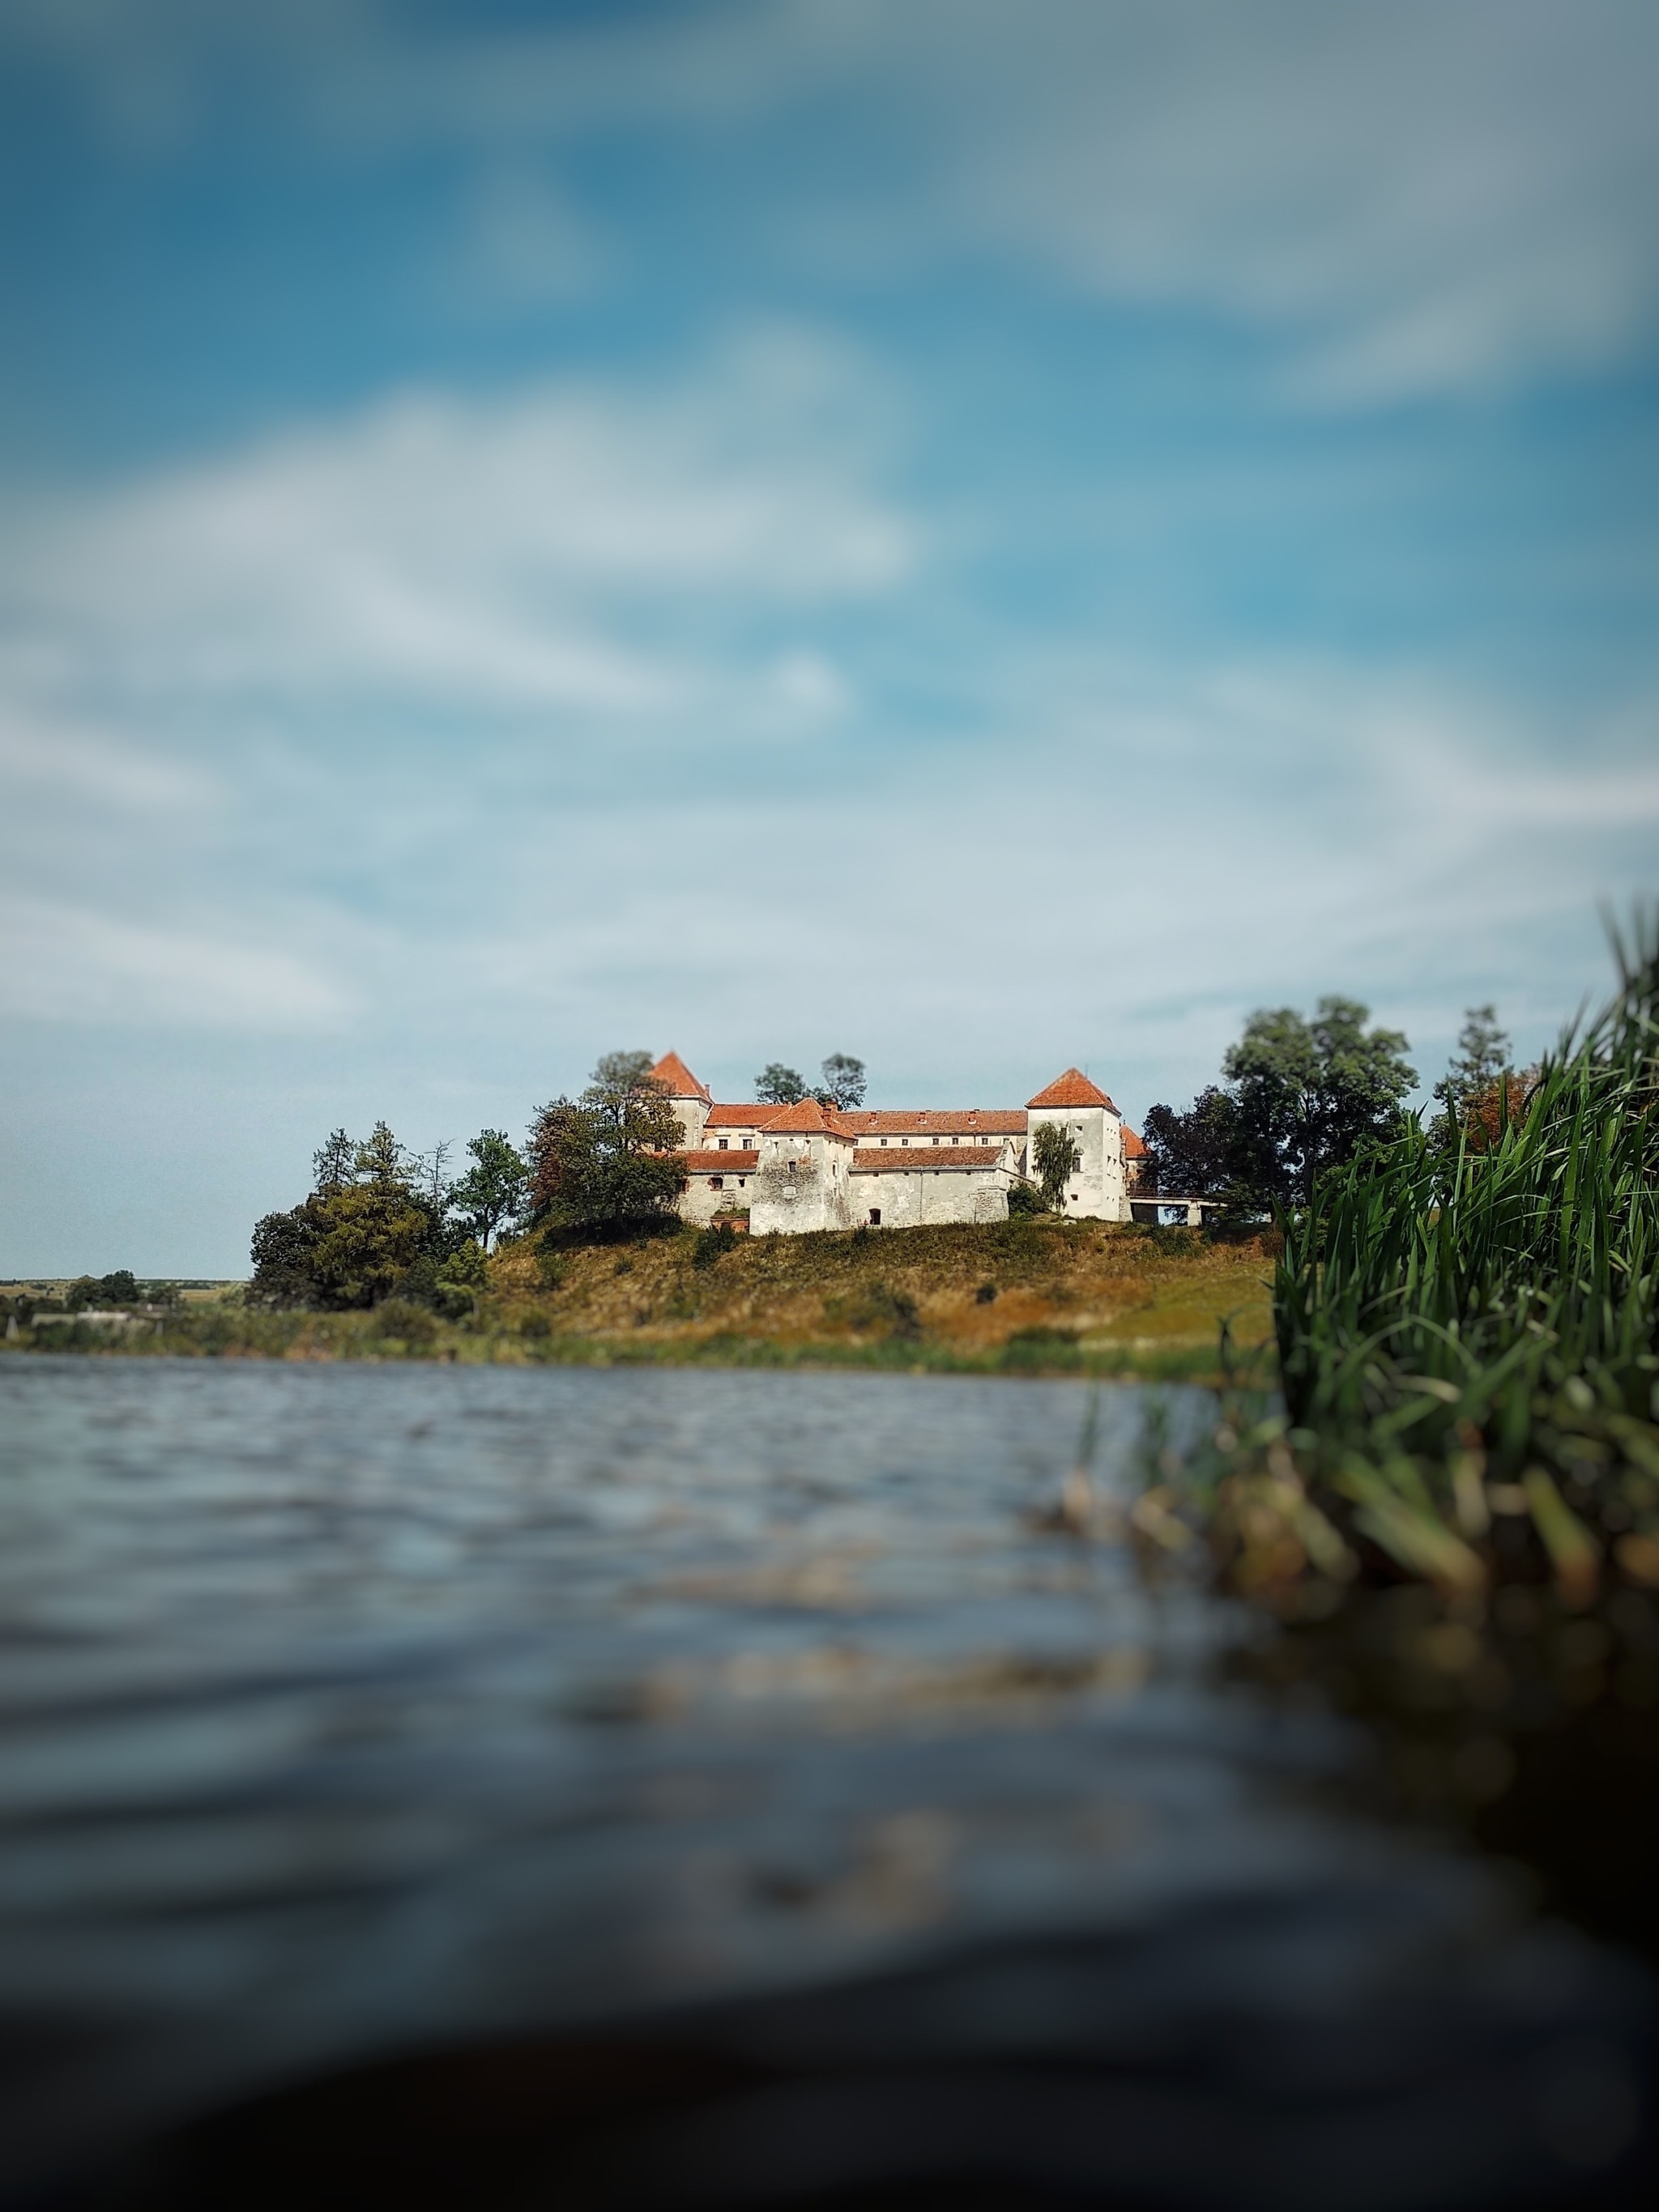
1018, 1297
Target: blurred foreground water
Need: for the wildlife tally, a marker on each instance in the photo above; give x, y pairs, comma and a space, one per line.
492, 1787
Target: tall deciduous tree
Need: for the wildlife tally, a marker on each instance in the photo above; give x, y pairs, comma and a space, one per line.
1301, 1096
607, 1161
842, 1081
778, 1086
490, 1196
1055, 1156
1190, 1155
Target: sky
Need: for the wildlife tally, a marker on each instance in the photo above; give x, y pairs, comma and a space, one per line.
985, 536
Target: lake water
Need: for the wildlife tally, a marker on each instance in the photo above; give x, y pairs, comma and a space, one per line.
655, 1789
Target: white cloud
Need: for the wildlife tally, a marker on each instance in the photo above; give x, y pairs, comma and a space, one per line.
65, 963
91, 766
531, 551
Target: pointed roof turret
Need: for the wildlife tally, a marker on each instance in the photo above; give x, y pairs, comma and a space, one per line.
677, 1081
1071, 1088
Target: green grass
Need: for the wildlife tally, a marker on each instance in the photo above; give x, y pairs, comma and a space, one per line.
1468, 1346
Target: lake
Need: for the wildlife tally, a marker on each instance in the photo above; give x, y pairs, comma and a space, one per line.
654, 1788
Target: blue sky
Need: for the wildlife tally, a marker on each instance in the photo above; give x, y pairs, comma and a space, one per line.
981, 536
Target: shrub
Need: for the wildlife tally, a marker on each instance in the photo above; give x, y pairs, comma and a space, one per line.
719, 1237
878, 1306
401, 1319
985, 1294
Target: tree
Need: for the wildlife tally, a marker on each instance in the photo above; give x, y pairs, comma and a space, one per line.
1055, 1156
1311, 1095
608, 1160
1300, 1097
375, 1225
1480, 1091
1191, 1155
284, 1252
375, 1228
490, 1196
334, 1163
778, 1086
844, 1082
119, 1289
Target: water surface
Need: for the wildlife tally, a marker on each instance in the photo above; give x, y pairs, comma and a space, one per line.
350, 1713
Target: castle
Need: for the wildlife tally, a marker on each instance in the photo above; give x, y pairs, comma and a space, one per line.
808, 1166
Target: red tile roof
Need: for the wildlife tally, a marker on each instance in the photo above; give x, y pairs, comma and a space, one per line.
809, 1117
972, 1120
1071, 1088
916, 1159
713, 1163
1132, 1147
677, 1078
742, 1117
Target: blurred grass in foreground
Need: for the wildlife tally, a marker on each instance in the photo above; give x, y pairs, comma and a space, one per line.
1468, 1352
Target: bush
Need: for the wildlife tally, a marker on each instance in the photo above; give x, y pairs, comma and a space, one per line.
1041, 1347
1025, 1198
719, 1237
1178, 1242
878, 1306
408, 1323
985, 1294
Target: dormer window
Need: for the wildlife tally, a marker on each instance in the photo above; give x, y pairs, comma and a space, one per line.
724, 1146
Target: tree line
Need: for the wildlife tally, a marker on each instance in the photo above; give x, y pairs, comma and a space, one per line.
1299, 1097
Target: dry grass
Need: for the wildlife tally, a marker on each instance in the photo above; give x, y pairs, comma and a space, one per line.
1065, 1294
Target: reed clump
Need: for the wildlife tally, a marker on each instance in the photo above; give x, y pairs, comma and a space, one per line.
1468, 1348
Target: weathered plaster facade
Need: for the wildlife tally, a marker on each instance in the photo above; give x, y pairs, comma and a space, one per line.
796, 1168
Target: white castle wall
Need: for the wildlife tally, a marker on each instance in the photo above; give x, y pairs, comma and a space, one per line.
1097, 1189
803, 1182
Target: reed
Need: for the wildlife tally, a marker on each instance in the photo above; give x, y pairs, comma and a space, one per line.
1469, 1344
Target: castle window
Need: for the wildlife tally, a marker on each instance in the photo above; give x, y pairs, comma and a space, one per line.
717, 1183
723, 1144
739, 1182
875, 1216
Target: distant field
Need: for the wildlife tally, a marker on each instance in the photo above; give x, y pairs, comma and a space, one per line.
201, 1290
1019, 1296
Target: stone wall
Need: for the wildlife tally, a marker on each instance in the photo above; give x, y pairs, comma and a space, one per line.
801, 1184
913, 1198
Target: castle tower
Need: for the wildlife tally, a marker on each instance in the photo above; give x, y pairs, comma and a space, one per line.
1097, 1188
802, 1180
691, 1099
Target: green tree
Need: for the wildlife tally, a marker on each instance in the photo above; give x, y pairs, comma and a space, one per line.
842, 1081
334, 1163
1481, 1069
375, 1229
490, 1196
1055, 1156
1311, 1095
119, 1289
608, 1160
375, 1226
778, 1086
1191, 1155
